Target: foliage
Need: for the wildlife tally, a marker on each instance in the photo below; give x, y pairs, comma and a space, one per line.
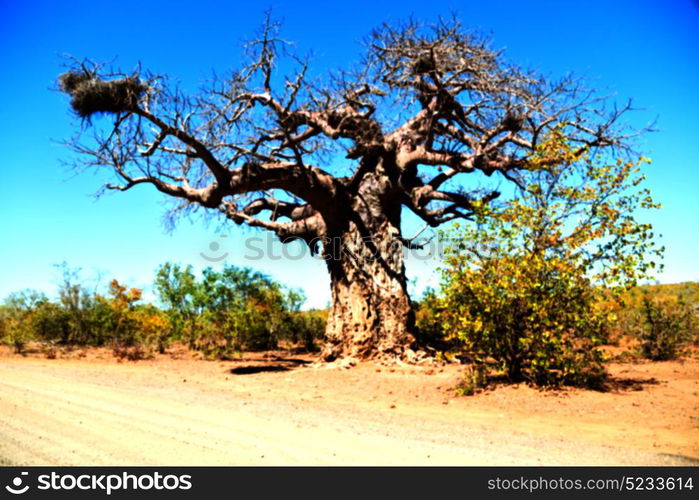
306, 327
233, 309
668, 324
660, 319
80, 313
219, 313
134, 330
663, 318
520, 287
16, 318
429, 323
179, 293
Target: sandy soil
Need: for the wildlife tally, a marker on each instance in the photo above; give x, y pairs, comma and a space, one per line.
89, 409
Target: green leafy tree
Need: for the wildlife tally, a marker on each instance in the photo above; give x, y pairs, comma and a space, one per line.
17, 318
521, 286
178, 290
306, 327
232, 309
82, 312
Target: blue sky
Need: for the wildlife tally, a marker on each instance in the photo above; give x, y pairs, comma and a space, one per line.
645, 50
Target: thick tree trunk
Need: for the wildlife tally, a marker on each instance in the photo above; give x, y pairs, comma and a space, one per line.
371, 314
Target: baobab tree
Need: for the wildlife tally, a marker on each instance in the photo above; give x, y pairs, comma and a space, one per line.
334, 161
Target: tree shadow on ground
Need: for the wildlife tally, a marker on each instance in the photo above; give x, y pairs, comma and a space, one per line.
624, 384
251, 369
608, 384
276, 364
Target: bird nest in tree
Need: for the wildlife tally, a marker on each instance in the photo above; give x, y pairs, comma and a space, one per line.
90, 94
513, 122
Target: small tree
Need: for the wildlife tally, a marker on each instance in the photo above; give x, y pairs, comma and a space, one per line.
227, 310
134, 329
122, 302
667, 324
178, 291
82, 314
520, 287
17, 316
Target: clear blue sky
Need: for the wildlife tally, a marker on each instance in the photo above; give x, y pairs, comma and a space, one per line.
647, 50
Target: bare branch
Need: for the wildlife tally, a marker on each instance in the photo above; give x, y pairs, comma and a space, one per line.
426, 97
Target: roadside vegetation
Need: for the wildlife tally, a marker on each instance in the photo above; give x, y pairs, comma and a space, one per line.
219, 313
224, 313
653, 322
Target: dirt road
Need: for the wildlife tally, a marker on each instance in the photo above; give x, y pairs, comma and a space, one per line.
169, 412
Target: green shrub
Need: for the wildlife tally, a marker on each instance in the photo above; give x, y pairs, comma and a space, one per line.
668, 325
15, 328
306, 328
220, 313
522, 287
663, 318
429, 328
51, 322
17, 318
539, 327
231, 310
